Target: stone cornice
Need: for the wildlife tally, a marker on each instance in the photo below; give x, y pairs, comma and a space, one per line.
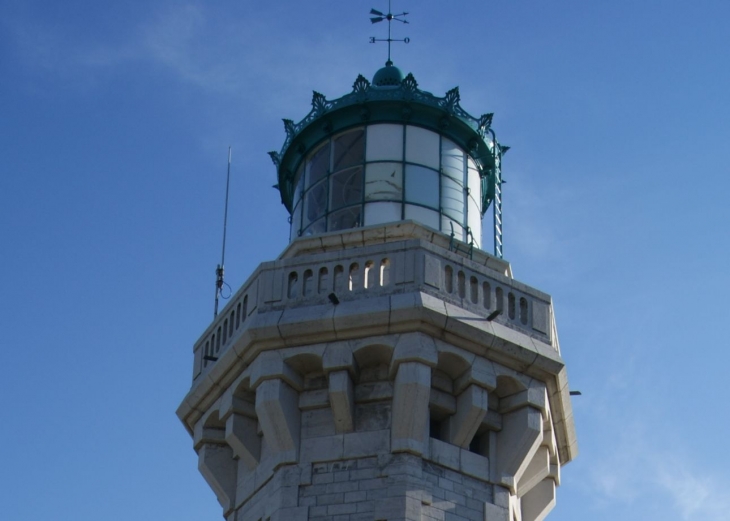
313, 326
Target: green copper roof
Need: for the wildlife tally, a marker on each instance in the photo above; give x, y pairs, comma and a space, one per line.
390, 99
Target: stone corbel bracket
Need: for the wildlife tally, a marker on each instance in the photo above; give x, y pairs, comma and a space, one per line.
527, 459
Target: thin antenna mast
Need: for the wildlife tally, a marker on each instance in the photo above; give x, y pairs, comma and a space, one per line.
220, 269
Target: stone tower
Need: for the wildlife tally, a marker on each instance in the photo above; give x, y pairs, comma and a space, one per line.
384, 367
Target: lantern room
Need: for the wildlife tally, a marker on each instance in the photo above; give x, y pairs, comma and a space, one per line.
387, 152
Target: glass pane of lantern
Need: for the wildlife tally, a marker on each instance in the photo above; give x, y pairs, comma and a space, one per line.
384, 142
315, 228
459, 231
422, 186
474, 182
383, 181
423, 215
422, 147
315, 202
318, 164
344, 219
378, 213
452, 160
346, 188
296, 221
300, 184
474, 220
349, 149
453, 200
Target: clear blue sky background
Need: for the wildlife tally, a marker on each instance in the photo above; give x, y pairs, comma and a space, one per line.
115, 119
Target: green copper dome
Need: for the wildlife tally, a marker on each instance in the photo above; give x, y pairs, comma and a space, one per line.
388, 76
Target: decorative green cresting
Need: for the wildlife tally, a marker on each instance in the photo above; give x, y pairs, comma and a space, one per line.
385, 103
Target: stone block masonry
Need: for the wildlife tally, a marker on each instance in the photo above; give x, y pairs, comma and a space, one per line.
391, 486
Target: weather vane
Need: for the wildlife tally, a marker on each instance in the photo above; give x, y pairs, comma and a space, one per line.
379, 17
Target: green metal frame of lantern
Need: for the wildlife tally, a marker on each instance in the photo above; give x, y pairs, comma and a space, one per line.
400, 103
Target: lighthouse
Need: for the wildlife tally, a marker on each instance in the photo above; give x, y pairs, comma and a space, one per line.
385, 367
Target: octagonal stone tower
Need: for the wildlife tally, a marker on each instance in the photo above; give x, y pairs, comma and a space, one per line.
384, 367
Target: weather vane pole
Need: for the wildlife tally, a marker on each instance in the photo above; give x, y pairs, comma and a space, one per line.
379, 17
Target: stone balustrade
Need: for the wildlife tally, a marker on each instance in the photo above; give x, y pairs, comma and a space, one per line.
379, 270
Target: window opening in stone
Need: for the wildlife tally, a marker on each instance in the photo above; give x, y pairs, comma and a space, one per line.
499, 297
523, 310
225, 331
369, 276
511, 304
323, 280
245, 308
474, 289
480, 443
218, 341
292, 286
437, 423
487, 295
434, 429
339, 278
462, 284
307, 283
384, 272
238, 315
448, 279
354, 282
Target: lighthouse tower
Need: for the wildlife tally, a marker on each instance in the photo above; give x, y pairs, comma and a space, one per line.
384, 367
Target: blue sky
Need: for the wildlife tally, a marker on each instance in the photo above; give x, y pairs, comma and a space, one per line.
115, 120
